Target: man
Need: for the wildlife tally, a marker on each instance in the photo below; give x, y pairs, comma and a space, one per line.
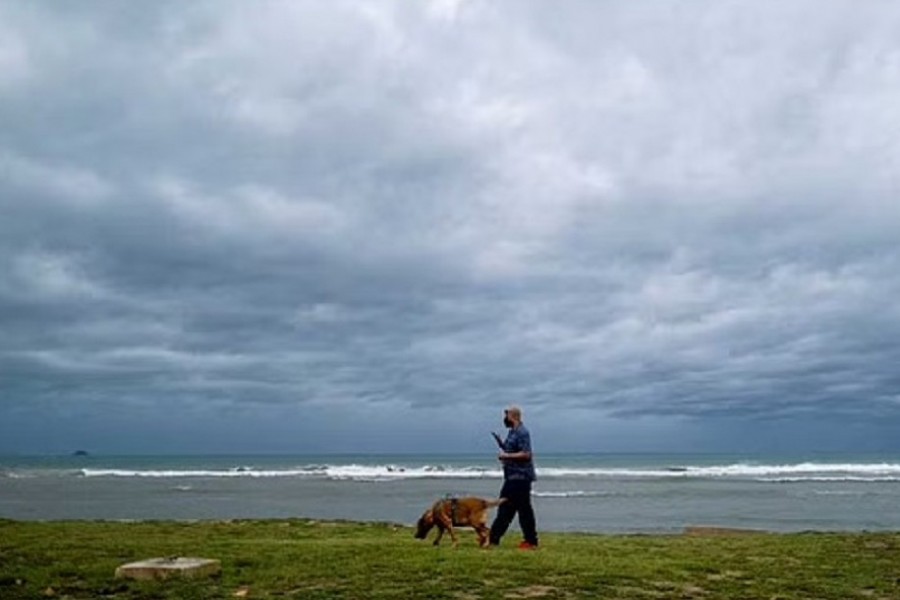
518, 474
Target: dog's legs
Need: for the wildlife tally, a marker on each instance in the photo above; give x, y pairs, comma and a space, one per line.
440, 534
446, 524
453, 536
483, 532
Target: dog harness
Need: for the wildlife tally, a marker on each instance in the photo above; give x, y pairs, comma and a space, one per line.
454, 505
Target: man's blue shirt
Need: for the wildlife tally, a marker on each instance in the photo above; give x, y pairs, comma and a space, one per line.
518, 440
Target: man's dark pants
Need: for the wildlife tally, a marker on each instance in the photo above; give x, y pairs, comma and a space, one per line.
518, 500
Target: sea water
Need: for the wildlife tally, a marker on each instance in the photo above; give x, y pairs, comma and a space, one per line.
645, 493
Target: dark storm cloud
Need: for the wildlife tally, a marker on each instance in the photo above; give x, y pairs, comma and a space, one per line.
629, 210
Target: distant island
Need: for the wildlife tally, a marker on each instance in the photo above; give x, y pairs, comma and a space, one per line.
80, 453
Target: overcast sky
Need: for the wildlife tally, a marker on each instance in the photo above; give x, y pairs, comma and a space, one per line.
339, 226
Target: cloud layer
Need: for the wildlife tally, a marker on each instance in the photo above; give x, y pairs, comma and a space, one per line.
624, 211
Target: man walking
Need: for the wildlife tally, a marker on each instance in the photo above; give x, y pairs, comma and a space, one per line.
518, 474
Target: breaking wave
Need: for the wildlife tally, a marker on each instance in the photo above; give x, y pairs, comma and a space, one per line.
849, 479
739, 471
334, 472
772, 473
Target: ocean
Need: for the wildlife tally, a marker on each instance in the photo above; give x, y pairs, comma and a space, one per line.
642, 493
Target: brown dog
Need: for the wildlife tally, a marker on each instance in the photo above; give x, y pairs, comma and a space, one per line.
457, 512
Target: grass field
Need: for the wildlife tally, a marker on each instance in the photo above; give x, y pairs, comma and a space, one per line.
309, 559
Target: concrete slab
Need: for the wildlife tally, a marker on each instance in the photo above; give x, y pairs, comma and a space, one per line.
174, 566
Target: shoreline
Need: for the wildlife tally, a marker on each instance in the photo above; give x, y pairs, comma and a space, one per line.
693, 530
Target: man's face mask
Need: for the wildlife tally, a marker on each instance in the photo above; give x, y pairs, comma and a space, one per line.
506, 421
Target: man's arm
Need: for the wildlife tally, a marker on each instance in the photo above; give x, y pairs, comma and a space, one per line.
522, 445
516, 456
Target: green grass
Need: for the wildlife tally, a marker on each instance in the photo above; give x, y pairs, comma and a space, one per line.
308, 559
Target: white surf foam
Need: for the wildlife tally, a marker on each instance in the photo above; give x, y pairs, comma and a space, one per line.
571, 494
737, 470
335, 472
813, 479
777, 473
173, 473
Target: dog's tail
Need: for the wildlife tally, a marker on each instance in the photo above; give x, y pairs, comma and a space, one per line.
492, 503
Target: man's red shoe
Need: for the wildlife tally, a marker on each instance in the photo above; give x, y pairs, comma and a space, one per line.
527, 546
